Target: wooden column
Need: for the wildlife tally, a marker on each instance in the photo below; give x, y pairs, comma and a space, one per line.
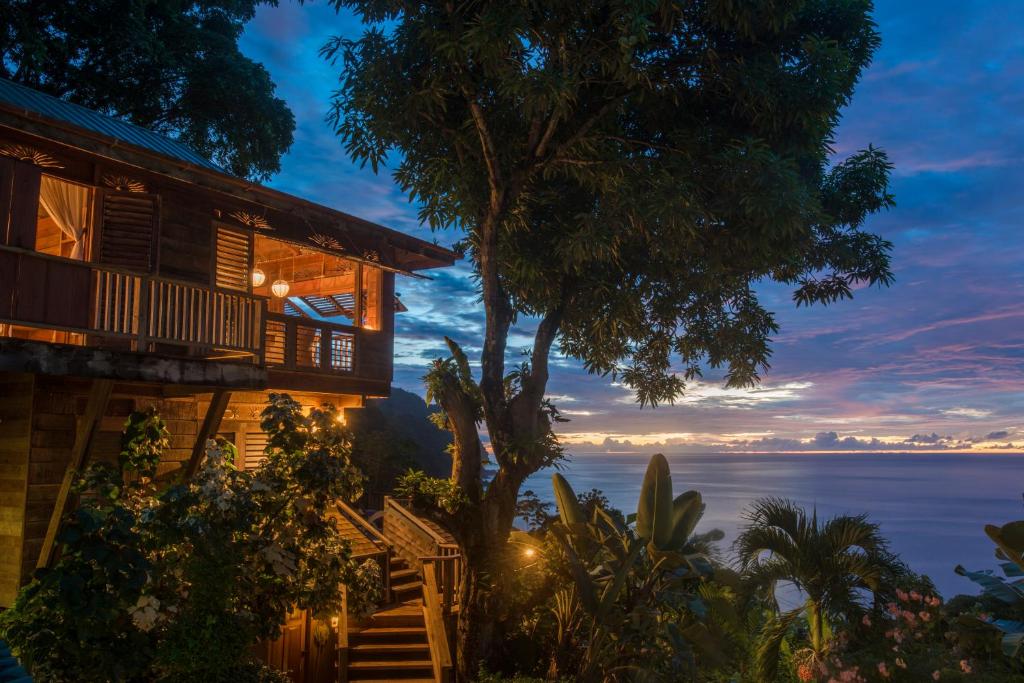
211, 423
88, 424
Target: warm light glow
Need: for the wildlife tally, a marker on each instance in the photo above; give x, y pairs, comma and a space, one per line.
258, 277
280, 288
529, 553
341, 417
334, 622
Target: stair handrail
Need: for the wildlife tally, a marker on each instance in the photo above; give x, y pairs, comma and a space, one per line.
433, 620
342, 635
412, 517
361, 522
446, 572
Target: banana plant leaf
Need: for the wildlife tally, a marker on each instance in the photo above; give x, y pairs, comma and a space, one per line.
1011, 569
993, 585
1013, 643
654, 509
569, 508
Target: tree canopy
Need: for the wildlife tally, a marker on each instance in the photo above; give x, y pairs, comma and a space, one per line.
649, 161
170, 66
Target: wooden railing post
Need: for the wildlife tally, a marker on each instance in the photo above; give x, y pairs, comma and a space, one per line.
261, 333
343, 638
142, 339
433, 618
291, 331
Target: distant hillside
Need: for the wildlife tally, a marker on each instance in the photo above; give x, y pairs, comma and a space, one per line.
394, 434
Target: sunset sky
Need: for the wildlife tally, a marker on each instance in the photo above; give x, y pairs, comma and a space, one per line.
935, 362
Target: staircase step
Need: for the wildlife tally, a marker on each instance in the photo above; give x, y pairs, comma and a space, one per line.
408, 592
388, 633
405, 614
402, 575
389, 652
391, 667
389, 636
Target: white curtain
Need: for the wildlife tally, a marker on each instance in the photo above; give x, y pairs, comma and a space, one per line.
68, 206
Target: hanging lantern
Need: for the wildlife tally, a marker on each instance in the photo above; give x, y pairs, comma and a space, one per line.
258, 277
280, 288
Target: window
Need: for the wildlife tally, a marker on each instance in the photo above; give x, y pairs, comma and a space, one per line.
63, 218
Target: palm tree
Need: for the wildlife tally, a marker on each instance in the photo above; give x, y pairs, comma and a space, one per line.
838, 565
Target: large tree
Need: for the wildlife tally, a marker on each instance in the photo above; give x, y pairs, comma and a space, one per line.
624, 173
173, 66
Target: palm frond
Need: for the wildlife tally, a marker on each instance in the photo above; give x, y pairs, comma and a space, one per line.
766, 655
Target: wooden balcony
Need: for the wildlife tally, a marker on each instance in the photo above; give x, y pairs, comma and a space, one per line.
56, 300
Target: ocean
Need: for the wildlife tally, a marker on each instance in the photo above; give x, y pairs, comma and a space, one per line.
931, 507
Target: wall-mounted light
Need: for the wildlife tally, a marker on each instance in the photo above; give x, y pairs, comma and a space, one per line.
258, 277
280, 288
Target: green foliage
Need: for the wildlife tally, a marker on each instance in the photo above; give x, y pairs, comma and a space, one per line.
173, 66
179, 584
1007, 592
620, 605
840, 565
430, 492
630, 168
145, 438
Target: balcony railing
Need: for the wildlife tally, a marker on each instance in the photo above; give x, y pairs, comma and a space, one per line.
112, 307
305, 344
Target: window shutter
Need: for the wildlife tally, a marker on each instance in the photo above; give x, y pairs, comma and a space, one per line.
255, 449
233, 248
23, 196
128, 230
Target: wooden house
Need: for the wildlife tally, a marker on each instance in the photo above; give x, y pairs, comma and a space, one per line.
136, 273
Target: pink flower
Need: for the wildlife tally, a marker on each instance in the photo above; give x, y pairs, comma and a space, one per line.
866, 620
892, 608
902, 596
915, 596
936, 675
965, 666
883, 670
900, 663
924, 616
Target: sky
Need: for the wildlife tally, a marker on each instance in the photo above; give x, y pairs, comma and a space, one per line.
936, 362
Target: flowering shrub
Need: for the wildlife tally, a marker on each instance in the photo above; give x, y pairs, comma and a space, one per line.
909, 639
179, 584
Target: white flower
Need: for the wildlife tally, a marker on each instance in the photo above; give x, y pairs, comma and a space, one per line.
145, 614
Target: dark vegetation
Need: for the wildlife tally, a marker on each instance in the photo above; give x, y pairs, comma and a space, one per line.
169, 65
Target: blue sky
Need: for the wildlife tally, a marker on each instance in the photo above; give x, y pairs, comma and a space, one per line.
935, 362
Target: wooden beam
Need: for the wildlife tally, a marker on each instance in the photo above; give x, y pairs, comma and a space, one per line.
211, 423
88, 425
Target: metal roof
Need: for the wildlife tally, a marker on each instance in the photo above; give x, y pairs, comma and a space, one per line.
22, 97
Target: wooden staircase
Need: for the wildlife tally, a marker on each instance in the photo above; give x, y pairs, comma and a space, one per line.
406, 582
392, 647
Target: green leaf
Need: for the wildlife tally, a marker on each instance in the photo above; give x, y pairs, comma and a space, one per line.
687, 509
654, 509
569, 508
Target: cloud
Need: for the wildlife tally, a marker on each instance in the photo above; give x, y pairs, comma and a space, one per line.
973, 413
